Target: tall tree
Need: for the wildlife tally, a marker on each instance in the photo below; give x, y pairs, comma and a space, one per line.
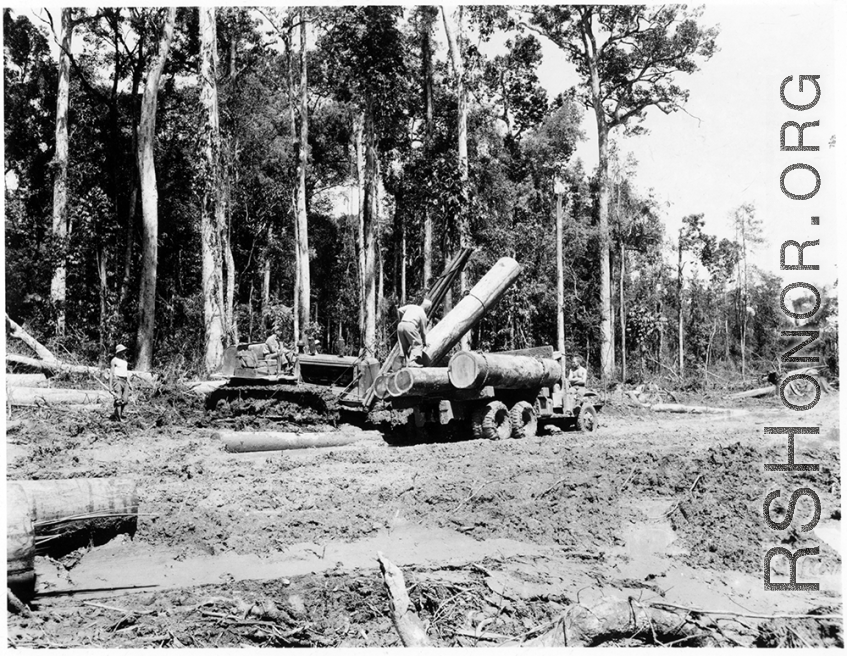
627, 56
302, 245
212, 206
748, 236
58, 288
150, 195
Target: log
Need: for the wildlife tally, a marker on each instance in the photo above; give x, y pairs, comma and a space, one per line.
26, 396
422, 381
20, 544
761, 391
469, 311
247, 442
470, 370
19, 333
205, 387
26, 380
693, 409
380, 387
391, 385
69, 513
408, 624
55, 367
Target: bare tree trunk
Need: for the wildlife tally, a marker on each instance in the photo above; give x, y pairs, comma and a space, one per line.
431, 15
211, 208
560, 278
607, 337
403, 258
455, 36
623, 313
370, 236
61, 226
266, 281
358, 132
292, 116
150, 197
305, 288
679, 303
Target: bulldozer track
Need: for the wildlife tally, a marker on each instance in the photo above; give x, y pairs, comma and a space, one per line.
301, 402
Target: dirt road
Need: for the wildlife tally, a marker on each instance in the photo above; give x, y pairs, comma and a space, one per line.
496, 539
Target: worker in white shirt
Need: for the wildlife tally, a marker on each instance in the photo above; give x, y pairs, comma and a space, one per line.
411, 332
119, 380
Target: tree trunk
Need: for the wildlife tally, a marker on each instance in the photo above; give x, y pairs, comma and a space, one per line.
472, 370
292, 117
211, 207
426, 56
607, 338
679, 304
370, 233
455, 36
60, 174
359, 136
403, 263
560, 278
623, 313
245, 442
150, 197
266, 284
305, 289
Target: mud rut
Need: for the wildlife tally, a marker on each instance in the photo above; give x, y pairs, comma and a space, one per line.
496, 539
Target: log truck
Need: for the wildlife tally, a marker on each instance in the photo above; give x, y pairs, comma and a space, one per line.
487, 395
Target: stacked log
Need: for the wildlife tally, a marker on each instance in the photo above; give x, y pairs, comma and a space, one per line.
470, 310
248, 442
421, 381
470, 370
20, 544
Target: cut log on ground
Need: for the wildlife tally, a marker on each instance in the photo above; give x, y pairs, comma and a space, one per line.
408, 624
20, 544
26, 396
470, 310
244, 442
695, 409
204, 387
56, 367
422, 381
754, 393
69, 513
614, 619
26, 380
470, 370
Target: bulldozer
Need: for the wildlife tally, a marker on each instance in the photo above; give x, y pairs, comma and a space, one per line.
486, 395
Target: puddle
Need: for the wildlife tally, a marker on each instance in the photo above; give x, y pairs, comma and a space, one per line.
128, 565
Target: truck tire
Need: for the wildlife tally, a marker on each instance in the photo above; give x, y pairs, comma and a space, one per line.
586, 421
491, 422
524, 420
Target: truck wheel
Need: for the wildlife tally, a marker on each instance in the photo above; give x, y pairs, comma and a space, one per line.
491, 422
587, 419
524, 420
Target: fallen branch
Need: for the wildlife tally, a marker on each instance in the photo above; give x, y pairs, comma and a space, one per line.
732, 613
408, 624
472, 495
671, 510
613, 619
754, 393
16, 604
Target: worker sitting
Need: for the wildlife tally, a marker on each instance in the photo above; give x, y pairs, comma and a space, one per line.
274, 351
411, 332
578, 374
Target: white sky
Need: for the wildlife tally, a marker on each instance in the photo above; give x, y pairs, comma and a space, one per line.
731, 154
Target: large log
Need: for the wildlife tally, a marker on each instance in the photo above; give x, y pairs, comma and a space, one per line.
694, 409
20, 544
470, 310
422, 381
53, 367
68, 513
471, 370
246, 442
25, 396
761, 391
19, 333
380, 386
26, 380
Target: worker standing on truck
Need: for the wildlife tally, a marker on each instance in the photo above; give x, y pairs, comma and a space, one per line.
119, 381
411, 332
579, 374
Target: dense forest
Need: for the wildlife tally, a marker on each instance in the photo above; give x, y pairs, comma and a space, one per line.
183, 179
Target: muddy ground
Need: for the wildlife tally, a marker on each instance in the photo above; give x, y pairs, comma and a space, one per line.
496, 539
